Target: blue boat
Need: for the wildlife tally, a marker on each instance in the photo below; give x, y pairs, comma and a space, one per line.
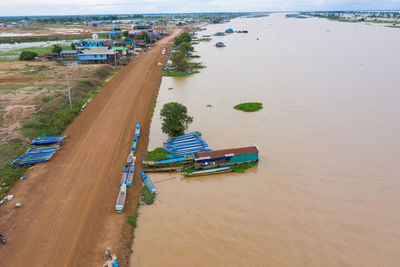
131, 173
148, 183
30, 159
42, 149
124, 176
120, 204
137, 130
134, 143
62, 136
191, 142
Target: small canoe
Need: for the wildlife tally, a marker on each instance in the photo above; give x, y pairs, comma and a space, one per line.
137, 130
218, 170
148, 183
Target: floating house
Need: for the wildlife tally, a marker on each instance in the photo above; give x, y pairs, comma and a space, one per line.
69, 55
225, 157
98, 55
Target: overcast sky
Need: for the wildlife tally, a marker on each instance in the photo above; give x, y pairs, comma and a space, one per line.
75, 7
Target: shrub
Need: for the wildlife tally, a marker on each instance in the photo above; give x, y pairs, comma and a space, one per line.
156, 154
147, 197
57, 49
132, 220
27, 55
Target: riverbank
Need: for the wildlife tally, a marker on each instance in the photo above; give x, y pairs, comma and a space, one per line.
68, 215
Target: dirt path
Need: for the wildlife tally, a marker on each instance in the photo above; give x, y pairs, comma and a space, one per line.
68, 216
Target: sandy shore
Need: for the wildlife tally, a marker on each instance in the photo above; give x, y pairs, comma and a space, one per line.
68, 216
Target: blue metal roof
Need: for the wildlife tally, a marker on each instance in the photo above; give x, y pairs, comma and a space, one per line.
69, 52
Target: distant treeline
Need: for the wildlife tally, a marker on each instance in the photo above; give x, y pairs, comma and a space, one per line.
82, 18
29, 39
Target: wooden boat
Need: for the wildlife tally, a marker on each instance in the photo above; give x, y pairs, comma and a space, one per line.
148, 183
42, 149
129, 179
218, 170
137, 130
119, 206
124, 176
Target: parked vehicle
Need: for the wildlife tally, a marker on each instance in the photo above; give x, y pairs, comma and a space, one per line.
2, 239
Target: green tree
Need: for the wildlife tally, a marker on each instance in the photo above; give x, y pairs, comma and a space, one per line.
184, 37
185, 47
57, 49
27, 55
175, 119
179, 61
73, 46
125, 33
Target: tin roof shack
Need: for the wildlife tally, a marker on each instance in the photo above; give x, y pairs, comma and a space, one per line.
225, 157
49, 57
88, 43
98, 55
69, 55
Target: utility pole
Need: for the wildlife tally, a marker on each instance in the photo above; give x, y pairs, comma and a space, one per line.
69, 91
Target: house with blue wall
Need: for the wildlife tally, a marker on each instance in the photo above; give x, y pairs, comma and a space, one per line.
97, 55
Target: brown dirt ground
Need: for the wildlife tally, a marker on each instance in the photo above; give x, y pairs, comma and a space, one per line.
68, 216
37, 79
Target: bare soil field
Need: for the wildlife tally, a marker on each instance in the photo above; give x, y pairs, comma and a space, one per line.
68, 216
25, 86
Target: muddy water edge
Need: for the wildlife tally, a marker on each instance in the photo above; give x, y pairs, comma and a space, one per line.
326, 191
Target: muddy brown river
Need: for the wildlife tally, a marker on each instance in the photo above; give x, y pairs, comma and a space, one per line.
326, 191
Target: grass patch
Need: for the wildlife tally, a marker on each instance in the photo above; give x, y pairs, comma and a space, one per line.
209, 106
249, 106
45, 98
11, 87
103, 72
132, 220
156, 154
147, 197
171, 88
239, 168
8, 173
174, 73
194, 56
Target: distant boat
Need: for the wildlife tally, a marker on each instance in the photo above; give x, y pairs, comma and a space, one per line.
219, 34
230, 30
220, 44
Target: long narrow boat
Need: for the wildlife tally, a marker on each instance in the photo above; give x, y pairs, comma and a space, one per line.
137, 130
130, 159
218, 170
183, 140
148, 183
165, 162
120, 204
185, 153
37, 155
131, 173
42, 149
134, 143
29, 161
124, 176
199, 142
186, 148
52, 136
185, 135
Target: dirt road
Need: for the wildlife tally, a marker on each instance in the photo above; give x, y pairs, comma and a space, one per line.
68, 216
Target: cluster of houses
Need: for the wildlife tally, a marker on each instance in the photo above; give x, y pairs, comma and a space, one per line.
113, 51
22, 23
